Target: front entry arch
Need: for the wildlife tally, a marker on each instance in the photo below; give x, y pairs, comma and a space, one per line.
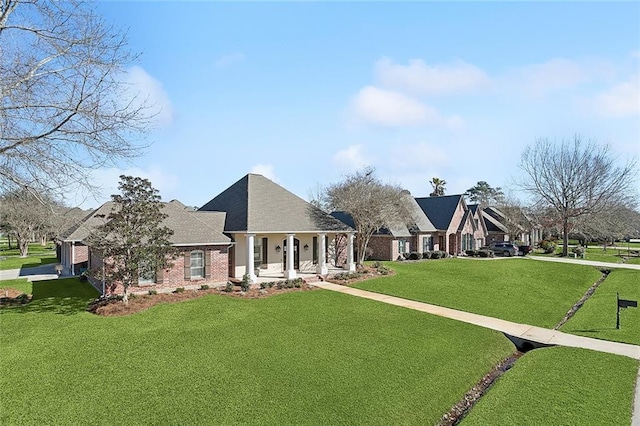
296, 254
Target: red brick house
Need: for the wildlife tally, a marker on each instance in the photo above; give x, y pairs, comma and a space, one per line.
203, 250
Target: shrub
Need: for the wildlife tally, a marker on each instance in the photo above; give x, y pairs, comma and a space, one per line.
471, 253
83, 278
376, 264
245, 284
579, 251
153, 292
204, 287
229, 287
426, 255
179, 290
23, 298
548, 246
383, 270
414, 255
485, 253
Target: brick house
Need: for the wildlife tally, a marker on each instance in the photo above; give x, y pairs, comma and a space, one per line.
203, 250
398, 238
276, 233
456, 229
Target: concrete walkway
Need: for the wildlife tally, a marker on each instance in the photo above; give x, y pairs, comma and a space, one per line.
43, 272
523, 331
586, 262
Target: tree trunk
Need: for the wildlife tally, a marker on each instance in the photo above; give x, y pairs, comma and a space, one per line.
125, 296
24, 248
565, 237
9, 241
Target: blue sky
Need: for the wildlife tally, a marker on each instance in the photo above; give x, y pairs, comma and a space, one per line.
307, 92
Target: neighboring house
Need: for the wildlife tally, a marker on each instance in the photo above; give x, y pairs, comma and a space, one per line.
456, 230
390, 242
198, 237
275, 232
386, 243
517, 222
480, 234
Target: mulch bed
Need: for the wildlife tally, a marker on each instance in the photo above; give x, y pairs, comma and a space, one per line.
137, 303
11, 296
362, 274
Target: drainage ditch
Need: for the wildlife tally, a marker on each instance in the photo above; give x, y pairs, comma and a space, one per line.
458, 412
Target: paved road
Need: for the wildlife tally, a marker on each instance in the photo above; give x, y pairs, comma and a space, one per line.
44, 272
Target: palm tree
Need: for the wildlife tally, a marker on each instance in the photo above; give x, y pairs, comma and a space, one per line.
438, 187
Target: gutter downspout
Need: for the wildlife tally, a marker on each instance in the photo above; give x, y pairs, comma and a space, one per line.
73, 258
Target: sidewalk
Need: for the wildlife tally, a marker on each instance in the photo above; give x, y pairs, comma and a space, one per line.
523, 331
44, 272
586, 262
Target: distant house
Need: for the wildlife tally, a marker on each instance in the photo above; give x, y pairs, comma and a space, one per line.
388, 243
524, 228
275, 232
198, 236
456, 229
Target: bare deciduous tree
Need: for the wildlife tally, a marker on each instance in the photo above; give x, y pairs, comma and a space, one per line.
65, 107
25, 217
575, 178
371, 204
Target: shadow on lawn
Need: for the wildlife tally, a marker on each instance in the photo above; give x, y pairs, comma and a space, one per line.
63, 296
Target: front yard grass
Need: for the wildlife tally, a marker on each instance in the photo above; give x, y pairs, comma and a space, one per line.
597, 317
560, 386
518, 290
314, 357
27, 262
20, 284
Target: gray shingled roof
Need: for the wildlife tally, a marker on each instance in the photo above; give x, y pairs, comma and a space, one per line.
189, 228
421, 221
491, 223
439, 210
396, 230
256, 204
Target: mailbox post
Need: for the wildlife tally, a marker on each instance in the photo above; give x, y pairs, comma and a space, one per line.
623, 303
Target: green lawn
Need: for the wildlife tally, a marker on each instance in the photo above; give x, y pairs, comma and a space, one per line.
597, 318
560, 386
20, 284
313, 357
519, 290
27, 262
34, 248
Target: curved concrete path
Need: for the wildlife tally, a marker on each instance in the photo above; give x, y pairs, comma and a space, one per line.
523, 331
586, 262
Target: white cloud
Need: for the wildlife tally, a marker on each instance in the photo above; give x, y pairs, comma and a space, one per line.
352, 158
417, 156
225, 61
537, 80
107, 180
621, 100
146, 91
265, 170
419, 78
391, 109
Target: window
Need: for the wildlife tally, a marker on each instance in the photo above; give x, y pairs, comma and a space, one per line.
315, 250
197, 264
402, 246
265, 250
257, 252
148, 278
427, 243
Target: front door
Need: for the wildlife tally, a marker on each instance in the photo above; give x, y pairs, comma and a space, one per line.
296, 254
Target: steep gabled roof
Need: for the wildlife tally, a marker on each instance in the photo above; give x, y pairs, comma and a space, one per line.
256, 204
439, 210
492, 224
189, 228
397, 229
421, 222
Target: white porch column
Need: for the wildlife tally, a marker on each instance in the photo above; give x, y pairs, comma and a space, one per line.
249, 271
73, 258
322, 261
290, 272
350, 265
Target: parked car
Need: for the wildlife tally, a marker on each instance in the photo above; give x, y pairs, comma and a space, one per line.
524, 249
506, 249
